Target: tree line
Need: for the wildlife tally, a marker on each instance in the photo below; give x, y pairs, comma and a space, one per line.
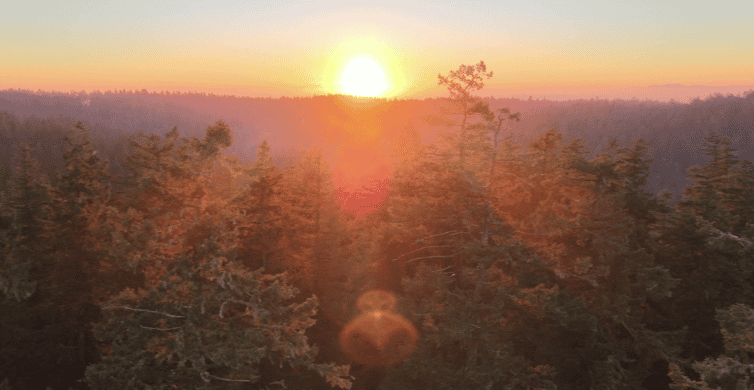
674, 131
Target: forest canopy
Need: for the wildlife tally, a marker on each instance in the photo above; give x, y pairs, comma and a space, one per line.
546, 265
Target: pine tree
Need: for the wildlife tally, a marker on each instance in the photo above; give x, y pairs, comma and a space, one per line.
77, 284
314, 246
461, 84
260, 220
735, 369
202, 319
581, 221
711, 194
455, 258
706, 244
208, 327
25, 237
496, 123
27, 349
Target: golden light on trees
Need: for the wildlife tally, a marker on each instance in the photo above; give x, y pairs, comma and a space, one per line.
379, 336
363, 76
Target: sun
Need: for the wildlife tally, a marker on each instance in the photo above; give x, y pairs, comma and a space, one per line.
363, 76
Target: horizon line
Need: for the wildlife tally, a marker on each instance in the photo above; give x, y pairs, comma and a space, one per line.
553, 96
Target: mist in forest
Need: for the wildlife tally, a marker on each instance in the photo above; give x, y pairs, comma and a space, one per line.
358, 135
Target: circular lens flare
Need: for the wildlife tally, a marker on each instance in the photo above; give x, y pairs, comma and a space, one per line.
363, 76
379, 336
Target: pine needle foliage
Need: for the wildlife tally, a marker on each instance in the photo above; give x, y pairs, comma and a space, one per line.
204, 316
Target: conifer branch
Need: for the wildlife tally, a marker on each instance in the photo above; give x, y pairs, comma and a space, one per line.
437, 235
435, 257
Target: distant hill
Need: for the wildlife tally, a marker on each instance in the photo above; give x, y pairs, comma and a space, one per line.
351, 130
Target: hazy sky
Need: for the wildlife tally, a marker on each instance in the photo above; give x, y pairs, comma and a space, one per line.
276, 48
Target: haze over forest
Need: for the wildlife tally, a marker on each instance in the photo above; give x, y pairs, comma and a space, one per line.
428, 195
341, 197
358, 135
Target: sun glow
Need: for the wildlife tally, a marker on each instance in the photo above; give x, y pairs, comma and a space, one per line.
363, 76
363, 66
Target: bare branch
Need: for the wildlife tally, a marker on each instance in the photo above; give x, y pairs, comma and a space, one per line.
437, 235
147, 327
631, 332
222, 308
416, 250
740, 240
255, 309
205, 376
434, 257
143, 310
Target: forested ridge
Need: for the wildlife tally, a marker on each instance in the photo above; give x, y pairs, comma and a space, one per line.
674, 131
547, 265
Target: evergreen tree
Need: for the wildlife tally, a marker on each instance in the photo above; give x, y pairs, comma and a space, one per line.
28, 221
50, 239
260, 221
469, 336
202, 318
711, 194
582, 221
461, 84
457, 286
735, 369
496, 124
706, 244
212, 326
77, 284
28, 348
314, 245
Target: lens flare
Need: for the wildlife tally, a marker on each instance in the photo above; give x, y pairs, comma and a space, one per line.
379, 336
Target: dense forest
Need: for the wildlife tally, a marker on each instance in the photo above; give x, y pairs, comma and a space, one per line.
524, 256
347, 129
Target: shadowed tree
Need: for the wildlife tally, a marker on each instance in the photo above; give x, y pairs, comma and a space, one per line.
707, 244
202, 319
28, 355
54, 323
735, 369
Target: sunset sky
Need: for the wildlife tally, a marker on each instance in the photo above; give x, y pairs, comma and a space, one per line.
540, 48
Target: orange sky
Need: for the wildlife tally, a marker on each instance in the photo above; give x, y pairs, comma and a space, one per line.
576, 48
